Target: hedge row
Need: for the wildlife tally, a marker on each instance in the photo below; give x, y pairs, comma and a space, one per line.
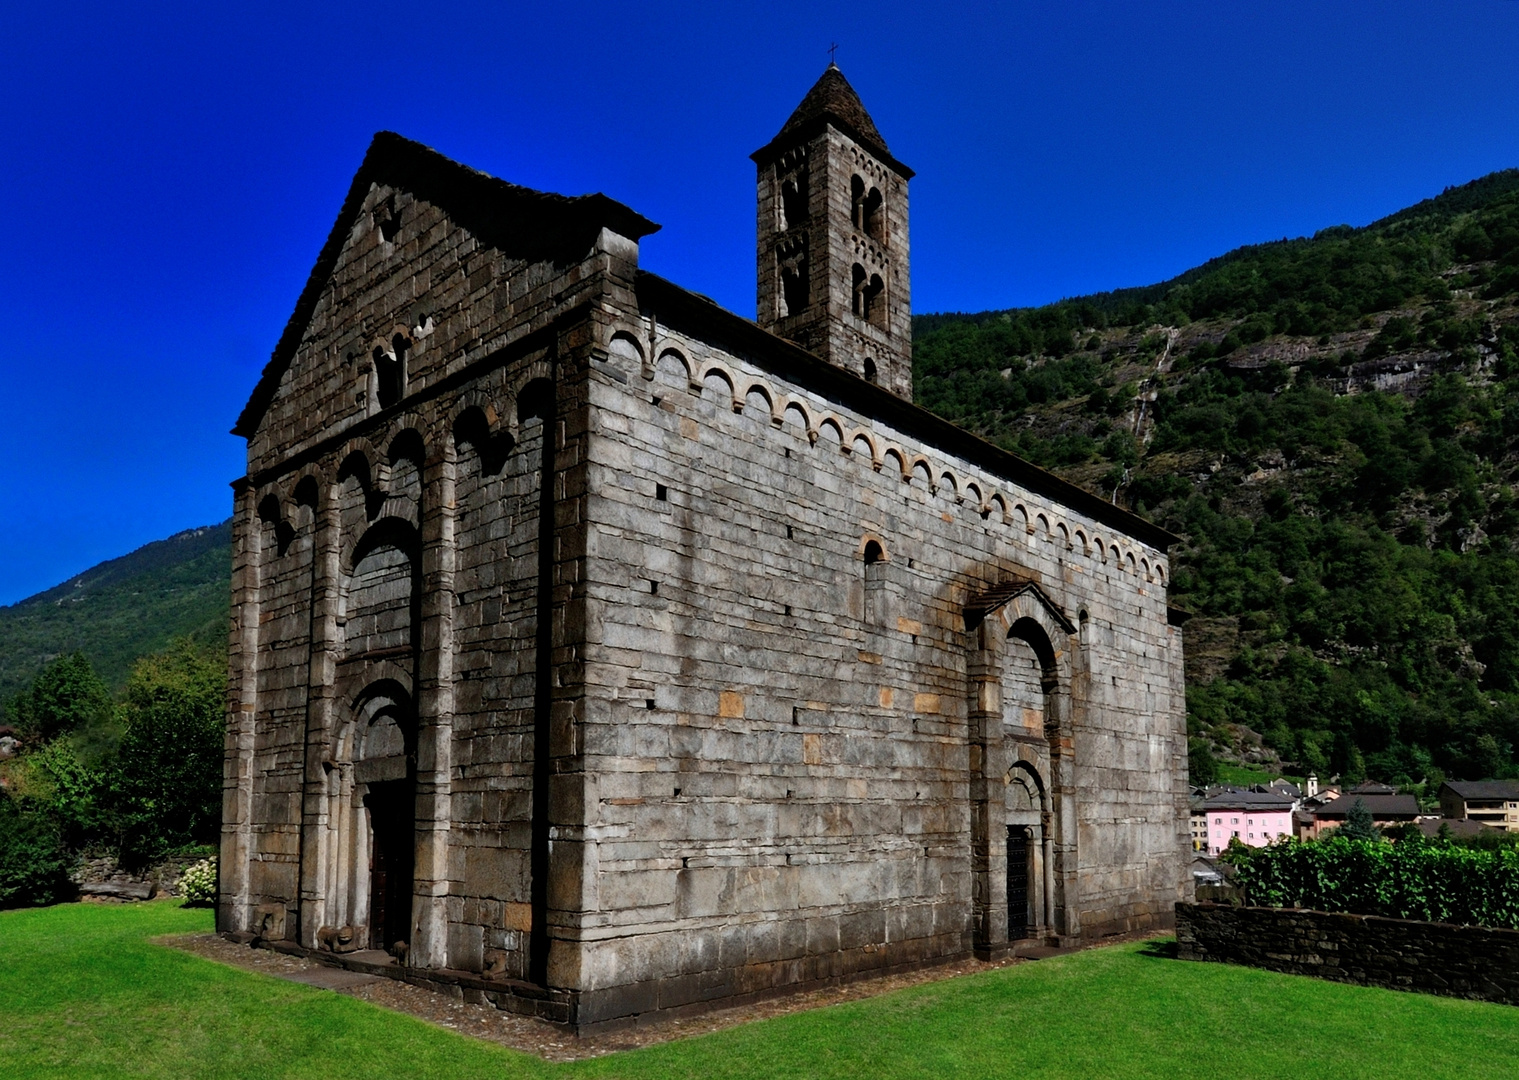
1408, 880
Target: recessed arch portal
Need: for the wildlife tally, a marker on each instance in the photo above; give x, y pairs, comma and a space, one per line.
384, 743
1024, 827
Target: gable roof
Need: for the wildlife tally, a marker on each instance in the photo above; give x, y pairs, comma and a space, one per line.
532, 224
1484, 789
1249, 800
1430, 827
1382, 807
831, 99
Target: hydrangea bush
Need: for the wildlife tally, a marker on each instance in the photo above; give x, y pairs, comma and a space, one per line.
198, 883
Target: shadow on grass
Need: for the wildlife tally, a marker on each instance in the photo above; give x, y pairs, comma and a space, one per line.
1159, 949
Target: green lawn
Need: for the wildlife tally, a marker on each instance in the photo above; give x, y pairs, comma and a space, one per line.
1245, 776
82, 994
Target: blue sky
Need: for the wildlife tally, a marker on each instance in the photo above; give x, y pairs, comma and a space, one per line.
169, 173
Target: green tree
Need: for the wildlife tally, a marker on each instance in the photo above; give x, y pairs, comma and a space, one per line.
1202, 766
167, 771
1359, 824
67, 696
52, 780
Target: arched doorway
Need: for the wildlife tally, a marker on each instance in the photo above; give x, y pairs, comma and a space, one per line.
385, 775
1026, 822
1020, 919
1022, 820
392, 861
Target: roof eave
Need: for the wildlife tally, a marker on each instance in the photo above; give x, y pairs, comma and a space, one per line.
811, 128
811, 371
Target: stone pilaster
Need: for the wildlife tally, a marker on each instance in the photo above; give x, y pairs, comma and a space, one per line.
435, 708
242, 708
318, 855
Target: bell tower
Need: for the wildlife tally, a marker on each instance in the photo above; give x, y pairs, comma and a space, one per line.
833, 237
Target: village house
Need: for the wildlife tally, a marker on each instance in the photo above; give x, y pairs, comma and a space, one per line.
1386, 811
1254, 818
1494, 803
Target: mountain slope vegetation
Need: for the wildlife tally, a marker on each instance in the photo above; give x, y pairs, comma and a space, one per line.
122, 609
1332, 425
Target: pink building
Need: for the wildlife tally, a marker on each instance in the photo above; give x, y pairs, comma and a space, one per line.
1257, 818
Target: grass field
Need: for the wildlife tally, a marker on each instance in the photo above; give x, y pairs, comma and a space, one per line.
1245, 776
83, 994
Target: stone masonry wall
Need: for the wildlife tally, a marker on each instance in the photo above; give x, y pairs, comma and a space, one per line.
1432, 958
458, 471
777, 761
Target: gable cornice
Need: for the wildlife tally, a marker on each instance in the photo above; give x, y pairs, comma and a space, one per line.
531, 224
979, 606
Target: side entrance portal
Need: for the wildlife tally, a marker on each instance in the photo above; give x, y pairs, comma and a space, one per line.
1018, 909
392, 820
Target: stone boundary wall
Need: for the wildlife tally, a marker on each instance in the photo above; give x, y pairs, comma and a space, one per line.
103, 876
1474, 962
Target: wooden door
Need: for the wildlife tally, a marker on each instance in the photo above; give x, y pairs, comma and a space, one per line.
392, 853
1017, 882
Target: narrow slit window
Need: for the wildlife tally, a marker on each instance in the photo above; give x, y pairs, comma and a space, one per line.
874, 557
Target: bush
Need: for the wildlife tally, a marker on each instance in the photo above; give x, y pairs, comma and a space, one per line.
198, 884
34, 863
1413, 879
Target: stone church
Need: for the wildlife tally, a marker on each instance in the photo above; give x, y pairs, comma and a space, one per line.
597, 651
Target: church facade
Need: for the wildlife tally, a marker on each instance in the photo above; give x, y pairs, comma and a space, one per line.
597, 651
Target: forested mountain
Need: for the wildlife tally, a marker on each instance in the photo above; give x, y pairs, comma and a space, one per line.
1332, 424
122, 609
